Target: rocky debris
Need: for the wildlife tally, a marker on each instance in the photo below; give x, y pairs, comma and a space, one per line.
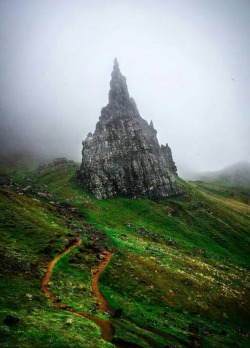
201, 251
123, 156
42, 194
6, 181
172, 243
29, 297
27, 189
187, 282
69, 321
35, 200
242, 332
143, 231
97, 241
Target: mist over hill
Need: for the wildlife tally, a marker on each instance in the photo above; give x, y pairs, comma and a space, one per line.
186, 63
237, 174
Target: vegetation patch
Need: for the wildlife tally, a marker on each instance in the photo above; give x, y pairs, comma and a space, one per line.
179, 276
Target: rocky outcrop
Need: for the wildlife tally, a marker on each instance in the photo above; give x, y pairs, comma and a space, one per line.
123, 156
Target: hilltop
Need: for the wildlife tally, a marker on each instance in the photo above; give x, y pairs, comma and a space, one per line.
178, 275
237, 174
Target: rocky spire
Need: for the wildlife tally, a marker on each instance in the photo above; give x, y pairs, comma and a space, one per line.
123, 156
118, 87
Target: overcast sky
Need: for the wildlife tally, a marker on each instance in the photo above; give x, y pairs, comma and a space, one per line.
187, 64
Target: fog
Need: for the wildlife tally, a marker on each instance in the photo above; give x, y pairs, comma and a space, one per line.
186, 64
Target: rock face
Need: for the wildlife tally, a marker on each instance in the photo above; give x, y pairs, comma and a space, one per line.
123, 156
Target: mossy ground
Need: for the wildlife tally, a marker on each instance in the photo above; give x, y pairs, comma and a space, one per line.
180, 266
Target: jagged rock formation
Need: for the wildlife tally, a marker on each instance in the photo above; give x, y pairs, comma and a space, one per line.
123, 156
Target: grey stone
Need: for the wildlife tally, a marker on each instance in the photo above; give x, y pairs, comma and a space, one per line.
123, 156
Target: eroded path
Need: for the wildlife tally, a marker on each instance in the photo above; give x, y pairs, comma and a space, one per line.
106, 327
103, 304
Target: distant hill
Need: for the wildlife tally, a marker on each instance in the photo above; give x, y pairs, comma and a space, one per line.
237, 174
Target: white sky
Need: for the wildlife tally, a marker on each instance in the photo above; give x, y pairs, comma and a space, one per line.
187, 64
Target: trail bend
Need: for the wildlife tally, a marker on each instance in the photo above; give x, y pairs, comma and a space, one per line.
106, 326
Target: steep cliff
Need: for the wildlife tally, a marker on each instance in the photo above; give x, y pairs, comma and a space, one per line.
123, 156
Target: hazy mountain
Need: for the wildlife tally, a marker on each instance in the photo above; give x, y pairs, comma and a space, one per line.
237, 174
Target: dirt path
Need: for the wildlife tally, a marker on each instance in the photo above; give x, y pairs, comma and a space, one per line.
106, 327
48, 274
103, 304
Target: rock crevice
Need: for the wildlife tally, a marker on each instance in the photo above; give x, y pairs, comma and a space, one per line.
123, 156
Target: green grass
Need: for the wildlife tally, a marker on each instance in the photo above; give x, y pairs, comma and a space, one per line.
32, 233
71, 280
180, 264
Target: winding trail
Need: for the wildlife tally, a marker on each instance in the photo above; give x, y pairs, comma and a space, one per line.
48, 274
103, 304
106, 326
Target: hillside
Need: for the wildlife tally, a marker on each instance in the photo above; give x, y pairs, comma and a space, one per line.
237, 174
173, 273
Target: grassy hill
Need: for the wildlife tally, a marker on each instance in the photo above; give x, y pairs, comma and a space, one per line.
179, 276
237, 175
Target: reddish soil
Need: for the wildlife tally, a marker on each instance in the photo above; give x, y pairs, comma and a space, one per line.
103, 304
105, 325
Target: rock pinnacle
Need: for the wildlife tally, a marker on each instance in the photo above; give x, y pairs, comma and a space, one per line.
123, 156
118, 86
